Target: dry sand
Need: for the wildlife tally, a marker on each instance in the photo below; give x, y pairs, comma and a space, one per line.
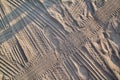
59, 39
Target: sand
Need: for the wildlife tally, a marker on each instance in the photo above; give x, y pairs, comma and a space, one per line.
59, 40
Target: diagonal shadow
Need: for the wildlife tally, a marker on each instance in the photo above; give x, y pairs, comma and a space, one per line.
7, 34
31, 16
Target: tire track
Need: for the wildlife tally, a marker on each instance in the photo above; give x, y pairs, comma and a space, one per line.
8, 68
91, 65
40, 65
40, 17
108, 10
75, 9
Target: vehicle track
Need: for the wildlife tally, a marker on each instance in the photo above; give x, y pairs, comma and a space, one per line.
108, 10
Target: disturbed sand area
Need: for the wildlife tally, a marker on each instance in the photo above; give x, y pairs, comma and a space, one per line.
59, 39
